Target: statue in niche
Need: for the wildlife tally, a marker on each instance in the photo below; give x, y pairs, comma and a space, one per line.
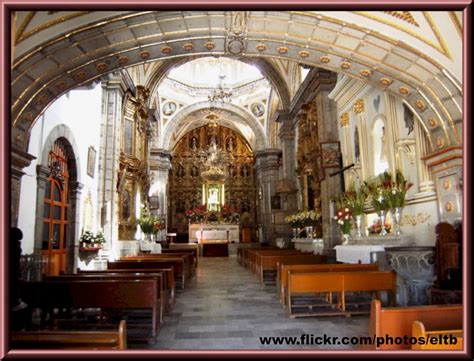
356, 145
180, 171
230, 145
231, 171
212, 140
244, 171
409, 119
384, 151
194, 171
126, 205
194, 144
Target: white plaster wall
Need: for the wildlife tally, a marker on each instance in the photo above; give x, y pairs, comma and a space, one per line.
79, 110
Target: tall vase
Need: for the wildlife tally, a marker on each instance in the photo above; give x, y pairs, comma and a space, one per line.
397, 217
345, 238
295, 232
382, 215
358, 224
309, 231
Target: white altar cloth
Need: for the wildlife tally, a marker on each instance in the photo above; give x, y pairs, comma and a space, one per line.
314, 245
356, 253
212, 235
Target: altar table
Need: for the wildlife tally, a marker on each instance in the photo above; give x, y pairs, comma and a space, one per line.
356, 253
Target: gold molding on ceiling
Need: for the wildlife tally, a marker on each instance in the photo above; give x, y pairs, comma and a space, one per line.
22, 36
406, 16
441, 46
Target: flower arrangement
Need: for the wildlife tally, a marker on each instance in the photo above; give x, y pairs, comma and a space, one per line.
146, 223
229, 214
87, 237
376, 227
197, 214
355, 200
387, 191
399, 188
158, 225
343, 217
304, 218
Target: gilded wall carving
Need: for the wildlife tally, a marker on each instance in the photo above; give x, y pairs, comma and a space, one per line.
133, 178
185, 184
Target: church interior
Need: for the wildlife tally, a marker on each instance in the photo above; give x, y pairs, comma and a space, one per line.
237, 180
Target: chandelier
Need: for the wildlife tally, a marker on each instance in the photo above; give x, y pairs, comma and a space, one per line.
215, 166
220, 93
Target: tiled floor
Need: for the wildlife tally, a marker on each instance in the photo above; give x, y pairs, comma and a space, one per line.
225, 307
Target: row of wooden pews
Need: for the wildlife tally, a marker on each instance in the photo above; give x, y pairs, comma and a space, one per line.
306, 286
129, 286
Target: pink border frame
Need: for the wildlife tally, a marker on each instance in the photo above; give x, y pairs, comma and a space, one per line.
6, 6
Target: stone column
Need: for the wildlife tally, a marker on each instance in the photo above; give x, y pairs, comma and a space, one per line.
287, 139
328, 131
160, 165
19, 160
109, 152
266, 169
72, 243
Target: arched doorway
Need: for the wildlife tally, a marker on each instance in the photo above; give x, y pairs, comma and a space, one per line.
57, 208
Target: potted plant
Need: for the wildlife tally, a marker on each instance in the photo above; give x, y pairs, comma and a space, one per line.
343, 217
86, 239
99, 239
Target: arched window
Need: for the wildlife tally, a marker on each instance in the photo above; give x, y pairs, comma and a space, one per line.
55, 209
380, 150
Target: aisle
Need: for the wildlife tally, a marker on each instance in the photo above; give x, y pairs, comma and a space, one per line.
225, 307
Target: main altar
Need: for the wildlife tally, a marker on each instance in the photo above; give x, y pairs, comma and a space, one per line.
203, 232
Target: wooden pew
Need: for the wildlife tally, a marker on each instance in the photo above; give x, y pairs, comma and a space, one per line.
168, 279
254, 258
104, 294
284, 268
268, 263
178, 264
157, 277
187, 258
398, 321
339, 283
455, 336
193, 251
247, 251
69, 339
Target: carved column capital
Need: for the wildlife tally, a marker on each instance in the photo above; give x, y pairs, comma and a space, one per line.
344, 119
359, 106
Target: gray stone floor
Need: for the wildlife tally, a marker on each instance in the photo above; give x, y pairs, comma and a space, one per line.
225, 307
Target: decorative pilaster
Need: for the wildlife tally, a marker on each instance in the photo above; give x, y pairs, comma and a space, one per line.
109, 156
446, 167
286, 186
392, 135
266, 168
366, 160
72, 245
425, 179
19, 161
160, 165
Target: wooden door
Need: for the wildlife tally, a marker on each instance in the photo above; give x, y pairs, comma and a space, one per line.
55, 213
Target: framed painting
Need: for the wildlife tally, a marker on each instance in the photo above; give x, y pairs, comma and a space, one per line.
330, 155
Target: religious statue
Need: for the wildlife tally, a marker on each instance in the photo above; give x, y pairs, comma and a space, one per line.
230, 145
180, 172
231, 171
244, 171
194, 171
194, 144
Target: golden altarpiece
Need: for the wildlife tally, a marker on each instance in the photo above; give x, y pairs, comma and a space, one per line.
133, 179
309, 168
187, 190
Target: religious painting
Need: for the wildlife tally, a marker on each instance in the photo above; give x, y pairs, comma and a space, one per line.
169, 108
276, 202
257, 109
128, 137
91, 155
154, 202
330, 155
126, 205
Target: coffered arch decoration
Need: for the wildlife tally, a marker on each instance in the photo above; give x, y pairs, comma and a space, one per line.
229, 115
62, 55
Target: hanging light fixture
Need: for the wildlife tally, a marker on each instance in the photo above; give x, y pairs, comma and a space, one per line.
220, 93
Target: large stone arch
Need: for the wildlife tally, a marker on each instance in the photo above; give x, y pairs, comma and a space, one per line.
264, 65
236, 115
100, 43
